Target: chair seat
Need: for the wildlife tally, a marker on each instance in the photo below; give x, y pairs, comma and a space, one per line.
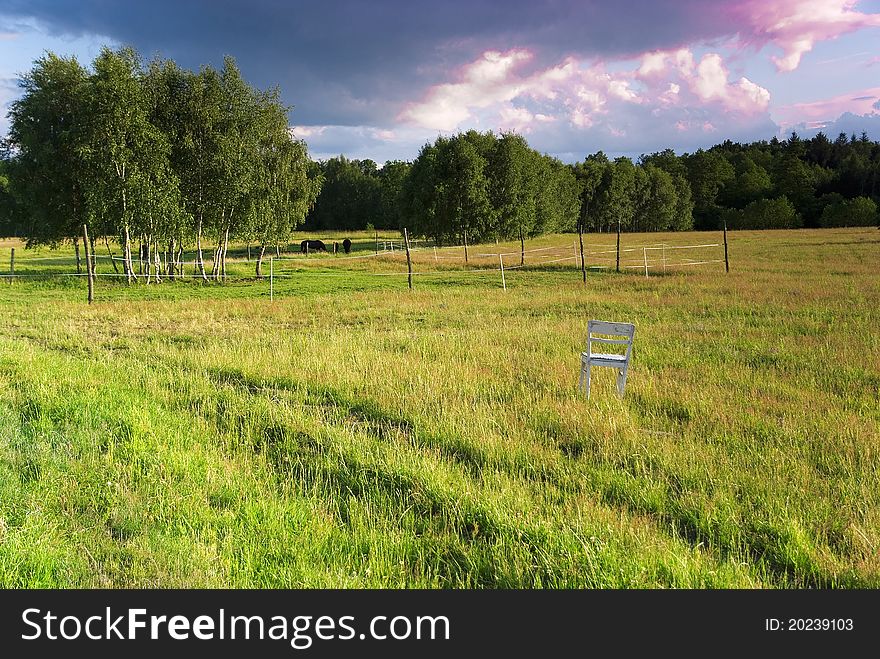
597, 357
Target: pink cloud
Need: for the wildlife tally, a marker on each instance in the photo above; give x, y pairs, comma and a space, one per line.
797, 25
307, 131
515, 119
818, 113
488, 80
708, 80
384, 135
494, 91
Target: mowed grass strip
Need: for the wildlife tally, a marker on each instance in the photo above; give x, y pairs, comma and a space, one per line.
352, 433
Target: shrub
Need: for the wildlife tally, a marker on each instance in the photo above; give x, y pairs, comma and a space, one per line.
776, 213
858, 212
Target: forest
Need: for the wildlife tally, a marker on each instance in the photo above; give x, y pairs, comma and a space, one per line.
157, 158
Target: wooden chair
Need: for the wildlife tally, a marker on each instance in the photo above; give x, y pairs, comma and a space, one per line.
613, 360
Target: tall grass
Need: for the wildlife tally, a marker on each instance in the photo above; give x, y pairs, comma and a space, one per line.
355, 434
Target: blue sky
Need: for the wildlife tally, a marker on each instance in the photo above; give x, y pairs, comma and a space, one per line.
377, 80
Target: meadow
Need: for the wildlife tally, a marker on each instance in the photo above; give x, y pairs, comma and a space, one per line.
352, 433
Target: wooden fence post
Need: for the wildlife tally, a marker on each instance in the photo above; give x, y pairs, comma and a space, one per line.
726, 262
583, 263
12, 266
271, 279
645, 251
408, 261
618, 244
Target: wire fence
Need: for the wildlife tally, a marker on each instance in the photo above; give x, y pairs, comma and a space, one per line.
424, 261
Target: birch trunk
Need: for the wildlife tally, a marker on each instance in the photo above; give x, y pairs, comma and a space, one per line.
180, 261
110, 252
225, 249
145, 267
522, 248
260, 262
201, 258
158, 262
129, 266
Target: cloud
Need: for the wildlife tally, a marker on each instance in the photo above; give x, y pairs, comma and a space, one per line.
486, 81
363, 142
847, 123
8, 92
574, 75
349, 62
862, 103
498, 91
575, 107
797, 25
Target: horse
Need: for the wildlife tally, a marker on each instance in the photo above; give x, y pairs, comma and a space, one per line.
307, 246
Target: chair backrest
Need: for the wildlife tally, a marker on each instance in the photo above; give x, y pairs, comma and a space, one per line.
603, 327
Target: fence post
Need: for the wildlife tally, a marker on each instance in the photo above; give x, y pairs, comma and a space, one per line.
618, 244
272, 279
435, 255
503, 283
664, 258
408, 261
12, 266
377, 243
726, 262
645, 251
89, 269
583, 263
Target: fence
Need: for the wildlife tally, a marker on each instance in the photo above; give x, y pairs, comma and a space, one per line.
426, 261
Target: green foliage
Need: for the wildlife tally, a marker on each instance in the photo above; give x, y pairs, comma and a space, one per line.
708, 173
484, 187
157, 154
858, 212
777, 213
351, 196
49, 132
752, 182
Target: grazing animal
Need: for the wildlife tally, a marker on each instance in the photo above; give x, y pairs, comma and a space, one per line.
346, 245
312, 246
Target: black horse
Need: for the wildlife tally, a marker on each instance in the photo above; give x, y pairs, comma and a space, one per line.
307, 246
346, 245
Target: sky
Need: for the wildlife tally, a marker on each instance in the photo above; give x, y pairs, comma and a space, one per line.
380, 79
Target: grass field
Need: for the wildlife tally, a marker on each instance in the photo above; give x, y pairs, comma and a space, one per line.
351, 433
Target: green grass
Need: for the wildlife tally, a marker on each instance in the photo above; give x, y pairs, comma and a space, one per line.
352, 433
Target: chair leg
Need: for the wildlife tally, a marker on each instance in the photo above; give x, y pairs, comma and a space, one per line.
621, 380
581, 379
588, 381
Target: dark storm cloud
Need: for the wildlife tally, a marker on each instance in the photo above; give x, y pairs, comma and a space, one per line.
355, 63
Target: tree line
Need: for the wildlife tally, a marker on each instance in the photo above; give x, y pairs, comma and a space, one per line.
160, 158
155, 156
781, 184
492, 186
